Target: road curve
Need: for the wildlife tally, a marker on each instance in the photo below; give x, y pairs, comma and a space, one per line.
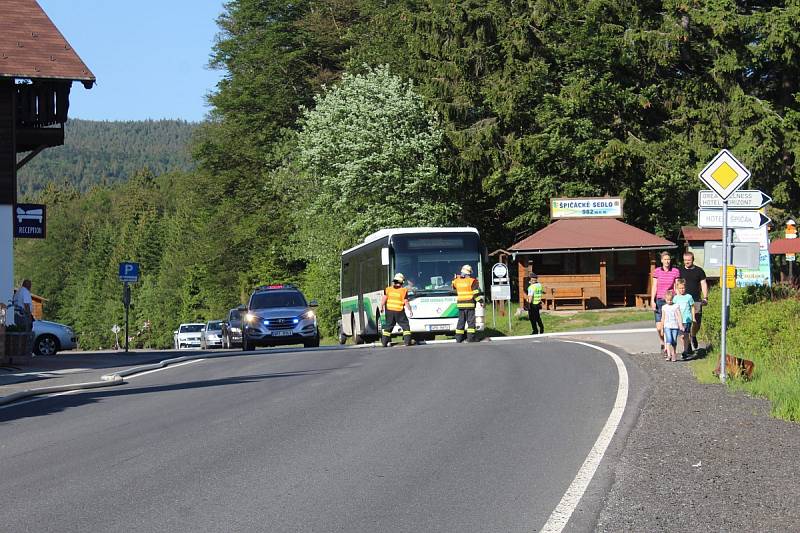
484, 437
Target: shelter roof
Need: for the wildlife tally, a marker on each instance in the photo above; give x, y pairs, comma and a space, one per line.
587, 235
784, 246
693, 233
31, 46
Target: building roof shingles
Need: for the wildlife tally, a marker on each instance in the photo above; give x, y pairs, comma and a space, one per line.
32, 47
590, 234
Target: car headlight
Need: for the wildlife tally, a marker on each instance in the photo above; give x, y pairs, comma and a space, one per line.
309, 314
249, 317
236, 330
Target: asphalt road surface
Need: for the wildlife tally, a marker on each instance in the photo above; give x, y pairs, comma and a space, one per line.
484, 437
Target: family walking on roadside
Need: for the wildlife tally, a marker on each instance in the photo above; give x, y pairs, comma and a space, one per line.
677, 296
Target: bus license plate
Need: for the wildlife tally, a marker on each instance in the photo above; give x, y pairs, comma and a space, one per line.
282, 333
438, 327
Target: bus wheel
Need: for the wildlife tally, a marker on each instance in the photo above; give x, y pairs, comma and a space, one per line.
357, 339
342, 336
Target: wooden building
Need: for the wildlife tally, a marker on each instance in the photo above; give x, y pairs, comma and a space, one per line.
593, 262
37, 68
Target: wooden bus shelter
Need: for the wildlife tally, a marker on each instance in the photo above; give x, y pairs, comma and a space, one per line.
590, 262
37, 68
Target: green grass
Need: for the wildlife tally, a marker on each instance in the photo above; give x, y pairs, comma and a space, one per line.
562, 320
763, 331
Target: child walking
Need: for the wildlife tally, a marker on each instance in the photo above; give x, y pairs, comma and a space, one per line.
671, 323
685, 303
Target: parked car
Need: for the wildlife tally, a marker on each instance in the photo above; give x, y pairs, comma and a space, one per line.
50, 338
232, 329
188, 335
211, 336
279, 314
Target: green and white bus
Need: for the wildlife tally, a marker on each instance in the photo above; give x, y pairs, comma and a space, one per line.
429, 258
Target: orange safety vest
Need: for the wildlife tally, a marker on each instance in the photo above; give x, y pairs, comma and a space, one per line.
395, 298
467, 292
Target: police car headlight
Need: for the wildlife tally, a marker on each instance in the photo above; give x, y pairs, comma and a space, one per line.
309, 314
249, 317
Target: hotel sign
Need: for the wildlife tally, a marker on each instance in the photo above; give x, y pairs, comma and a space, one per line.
608, 207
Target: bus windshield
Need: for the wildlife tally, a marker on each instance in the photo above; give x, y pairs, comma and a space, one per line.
429, 262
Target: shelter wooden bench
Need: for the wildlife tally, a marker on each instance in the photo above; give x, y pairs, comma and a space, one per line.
643, 300
565, 293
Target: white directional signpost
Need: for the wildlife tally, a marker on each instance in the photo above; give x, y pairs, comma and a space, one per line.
712, 218
724, 175
501, 290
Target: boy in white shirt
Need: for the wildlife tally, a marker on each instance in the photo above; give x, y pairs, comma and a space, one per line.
671, 323
685, 303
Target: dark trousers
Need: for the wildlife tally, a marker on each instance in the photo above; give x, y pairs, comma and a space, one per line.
535, 318
466, 317
389, 320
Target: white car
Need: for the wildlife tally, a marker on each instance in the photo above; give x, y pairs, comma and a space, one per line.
50, 338
188, 335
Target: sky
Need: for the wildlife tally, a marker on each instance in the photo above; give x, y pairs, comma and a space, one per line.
149, 57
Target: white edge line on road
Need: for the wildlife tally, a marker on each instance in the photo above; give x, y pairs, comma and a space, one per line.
176, 365
563, 511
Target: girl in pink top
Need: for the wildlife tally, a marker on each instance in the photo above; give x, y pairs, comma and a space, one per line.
663, 280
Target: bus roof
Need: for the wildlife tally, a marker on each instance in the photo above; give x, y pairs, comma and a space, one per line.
388, 232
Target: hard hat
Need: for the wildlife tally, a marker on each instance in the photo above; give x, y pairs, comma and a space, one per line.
399, 277
466, 269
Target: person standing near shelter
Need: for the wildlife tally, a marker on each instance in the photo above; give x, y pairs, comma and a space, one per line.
23, 306
697, 286
663, 280
468, 294
534, 297
394, 304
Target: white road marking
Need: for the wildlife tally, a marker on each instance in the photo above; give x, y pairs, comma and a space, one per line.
76, 391
176, 365
563, 511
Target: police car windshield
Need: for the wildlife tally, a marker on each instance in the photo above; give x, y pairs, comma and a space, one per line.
267, 300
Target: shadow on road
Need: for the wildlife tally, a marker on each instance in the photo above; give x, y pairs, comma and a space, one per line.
54, 404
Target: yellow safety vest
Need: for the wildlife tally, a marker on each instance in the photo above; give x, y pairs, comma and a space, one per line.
467, 292
395, 298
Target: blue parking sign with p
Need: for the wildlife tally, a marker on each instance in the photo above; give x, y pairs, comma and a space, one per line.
129, 272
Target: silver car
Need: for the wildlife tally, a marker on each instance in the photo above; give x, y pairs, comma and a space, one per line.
211, 337
50, 338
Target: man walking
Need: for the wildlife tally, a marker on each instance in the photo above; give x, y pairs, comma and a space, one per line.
468, 293
23, 306
534, 297
697, 286
394, 304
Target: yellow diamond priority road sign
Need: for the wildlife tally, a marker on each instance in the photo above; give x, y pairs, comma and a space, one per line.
724, 174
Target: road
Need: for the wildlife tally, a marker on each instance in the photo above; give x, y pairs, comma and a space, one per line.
484, 437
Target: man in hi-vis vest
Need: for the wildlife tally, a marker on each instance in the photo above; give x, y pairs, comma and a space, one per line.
468, 293
534, 297
394, 305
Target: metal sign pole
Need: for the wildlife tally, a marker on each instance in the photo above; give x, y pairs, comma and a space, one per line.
509, 316
724, 278
494, 316
127, 301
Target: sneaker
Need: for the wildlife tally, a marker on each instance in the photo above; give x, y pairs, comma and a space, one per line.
685, 355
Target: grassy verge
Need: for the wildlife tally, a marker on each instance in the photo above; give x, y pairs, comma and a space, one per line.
763, 329
562, 320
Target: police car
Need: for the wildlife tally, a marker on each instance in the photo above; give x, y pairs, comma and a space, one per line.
279, 314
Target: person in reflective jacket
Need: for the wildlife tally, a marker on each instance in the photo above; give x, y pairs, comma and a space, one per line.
468, 294
394, 305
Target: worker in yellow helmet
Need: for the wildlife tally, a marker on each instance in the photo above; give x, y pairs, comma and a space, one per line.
468, 294
394, 305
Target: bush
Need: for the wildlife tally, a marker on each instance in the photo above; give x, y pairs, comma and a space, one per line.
763, 328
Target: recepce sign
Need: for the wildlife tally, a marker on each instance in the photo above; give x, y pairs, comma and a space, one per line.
30, 221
